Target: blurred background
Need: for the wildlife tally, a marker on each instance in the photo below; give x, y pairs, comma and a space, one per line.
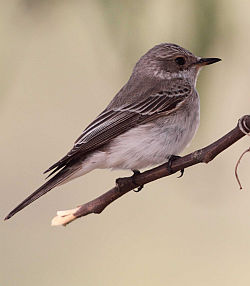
61, 64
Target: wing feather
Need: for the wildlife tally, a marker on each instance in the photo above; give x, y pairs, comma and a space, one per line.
115, 121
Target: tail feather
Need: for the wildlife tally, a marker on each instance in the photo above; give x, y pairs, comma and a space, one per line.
59, 178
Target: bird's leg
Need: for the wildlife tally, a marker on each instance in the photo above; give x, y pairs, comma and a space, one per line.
169, 165
136, 172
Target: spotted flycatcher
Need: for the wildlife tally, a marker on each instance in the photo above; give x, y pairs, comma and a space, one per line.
153, 117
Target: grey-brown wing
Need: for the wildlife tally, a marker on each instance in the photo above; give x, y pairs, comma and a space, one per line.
113, 122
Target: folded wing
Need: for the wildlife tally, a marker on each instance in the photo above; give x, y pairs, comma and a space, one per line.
115, 121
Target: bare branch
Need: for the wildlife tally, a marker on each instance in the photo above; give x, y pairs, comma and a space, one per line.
124, 185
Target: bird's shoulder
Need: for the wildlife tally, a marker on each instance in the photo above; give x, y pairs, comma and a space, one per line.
133, 93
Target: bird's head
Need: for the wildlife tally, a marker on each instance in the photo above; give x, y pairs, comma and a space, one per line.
166, 61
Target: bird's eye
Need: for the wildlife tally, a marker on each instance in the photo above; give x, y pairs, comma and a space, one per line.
180, 61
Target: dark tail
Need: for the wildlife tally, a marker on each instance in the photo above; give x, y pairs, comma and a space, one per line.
61, 176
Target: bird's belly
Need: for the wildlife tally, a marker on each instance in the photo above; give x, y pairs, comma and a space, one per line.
151, 144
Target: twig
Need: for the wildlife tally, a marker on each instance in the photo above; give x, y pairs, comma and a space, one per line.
236, 167
124, 185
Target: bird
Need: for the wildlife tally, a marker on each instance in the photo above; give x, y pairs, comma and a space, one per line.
149, 121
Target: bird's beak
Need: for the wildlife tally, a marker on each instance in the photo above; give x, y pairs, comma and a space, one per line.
207, 61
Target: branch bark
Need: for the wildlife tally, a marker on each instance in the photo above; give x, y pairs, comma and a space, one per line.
126, 184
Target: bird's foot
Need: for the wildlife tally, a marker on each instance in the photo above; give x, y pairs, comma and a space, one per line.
136, 172
169, 165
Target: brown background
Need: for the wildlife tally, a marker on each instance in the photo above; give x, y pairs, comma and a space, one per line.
61, 63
